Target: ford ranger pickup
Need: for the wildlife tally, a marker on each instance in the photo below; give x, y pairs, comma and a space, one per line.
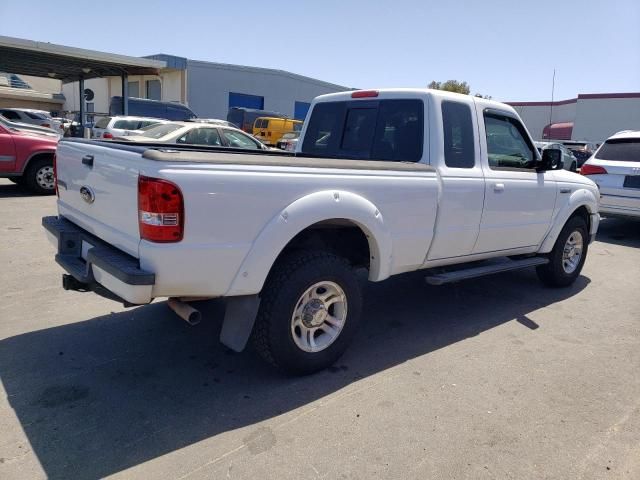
383, 181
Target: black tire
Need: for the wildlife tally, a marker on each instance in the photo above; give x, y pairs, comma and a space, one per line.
17, 180
291, 277
554, 274
33, 177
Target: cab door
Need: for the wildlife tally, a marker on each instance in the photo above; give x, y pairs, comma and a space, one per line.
457, 156
519, 201
7, 151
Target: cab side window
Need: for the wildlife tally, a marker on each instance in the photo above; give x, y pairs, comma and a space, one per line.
459, 148
507, 143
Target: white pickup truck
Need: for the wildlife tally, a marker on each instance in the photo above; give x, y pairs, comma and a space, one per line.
389, 181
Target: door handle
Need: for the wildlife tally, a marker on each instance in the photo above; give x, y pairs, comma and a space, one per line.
87, 160
498, 187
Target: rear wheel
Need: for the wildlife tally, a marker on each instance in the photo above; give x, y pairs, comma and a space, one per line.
568, 255
39, 176
17, 180
309, 312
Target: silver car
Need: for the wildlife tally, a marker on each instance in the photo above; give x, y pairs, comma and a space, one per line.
109, 127
194, 133
40, 118
26, 127
569, 161
615, 167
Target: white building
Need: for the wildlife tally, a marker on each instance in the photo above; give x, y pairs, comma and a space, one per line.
209, 89
592, 117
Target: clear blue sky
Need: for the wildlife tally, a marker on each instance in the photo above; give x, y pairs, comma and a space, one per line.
507, 49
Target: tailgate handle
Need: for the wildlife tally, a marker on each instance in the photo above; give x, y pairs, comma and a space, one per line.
87, 160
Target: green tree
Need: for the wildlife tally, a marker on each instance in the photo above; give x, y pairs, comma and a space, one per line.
455, 86
451, 86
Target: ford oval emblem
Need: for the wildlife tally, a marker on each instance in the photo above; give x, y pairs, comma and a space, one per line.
87, 194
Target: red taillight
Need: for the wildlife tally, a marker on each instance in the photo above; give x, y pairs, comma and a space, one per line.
47, 125
107, 135
160, 210
588, 169
364, 94
55, 174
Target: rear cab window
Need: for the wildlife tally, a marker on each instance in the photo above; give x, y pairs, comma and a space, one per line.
459, 144
386, 130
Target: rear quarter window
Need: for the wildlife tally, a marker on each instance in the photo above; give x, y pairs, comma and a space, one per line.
622, 149
103, 122
126, 124
390, 130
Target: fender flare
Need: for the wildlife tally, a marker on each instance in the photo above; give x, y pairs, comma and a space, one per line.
301, 214
34, 154
582, 197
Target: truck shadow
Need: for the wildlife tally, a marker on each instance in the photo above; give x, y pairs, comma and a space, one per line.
102, 395
624, 232
10, 189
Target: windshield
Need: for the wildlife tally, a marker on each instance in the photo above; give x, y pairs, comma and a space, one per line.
621, 149
159, 131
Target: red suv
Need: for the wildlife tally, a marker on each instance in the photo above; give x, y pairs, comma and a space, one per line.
26, 158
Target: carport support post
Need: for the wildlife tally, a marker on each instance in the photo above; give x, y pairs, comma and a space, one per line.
125, 93
81, 86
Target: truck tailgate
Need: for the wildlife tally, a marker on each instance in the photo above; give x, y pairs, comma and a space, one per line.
98, 191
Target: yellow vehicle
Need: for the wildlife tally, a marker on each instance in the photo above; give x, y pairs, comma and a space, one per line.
271, 129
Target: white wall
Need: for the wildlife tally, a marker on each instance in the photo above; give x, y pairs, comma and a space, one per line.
100, 90
536, 117
105, 88
598, 119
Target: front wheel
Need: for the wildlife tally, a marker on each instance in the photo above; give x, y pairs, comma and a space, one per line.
39, 176
568, 255
309, 312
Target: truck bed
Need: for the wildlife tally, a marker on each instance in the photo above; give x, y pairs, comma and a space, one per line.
162, 152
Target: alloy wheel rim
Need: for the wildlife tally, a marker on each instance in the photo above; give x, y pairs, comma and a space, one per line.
572, 252
319, 316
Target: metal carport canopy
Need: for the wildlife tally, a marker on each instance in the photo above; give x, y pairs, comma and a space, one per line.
69, 64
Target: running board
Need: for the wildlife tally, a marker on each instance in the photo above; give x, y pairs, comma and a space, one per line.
482, 270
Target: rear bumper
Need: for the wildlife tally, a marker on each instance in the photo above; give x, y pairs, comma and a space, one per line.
97, 266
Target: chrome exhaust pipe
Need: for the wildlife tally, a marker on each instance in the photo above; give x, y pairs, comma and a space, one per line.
185, 311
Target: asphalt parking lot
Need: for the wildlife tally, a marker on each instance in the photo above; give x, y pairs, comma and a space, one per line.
493, 378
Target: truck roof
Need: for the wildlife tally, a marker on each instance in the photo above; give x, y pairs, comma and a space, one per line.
389, 93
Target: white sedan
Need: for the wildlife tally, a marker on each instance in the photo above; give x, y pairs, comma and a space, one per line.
615, 167
195, 133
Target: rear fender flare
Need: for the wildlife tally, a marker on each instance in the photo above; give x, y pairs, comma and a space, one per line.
301, 214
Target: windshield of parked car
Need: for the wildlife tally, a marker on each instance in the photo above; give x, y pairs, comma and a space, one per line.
159, 131
620, 149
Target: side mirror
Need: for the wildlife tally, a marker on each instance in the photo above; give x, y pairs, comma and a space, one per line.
551, 160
